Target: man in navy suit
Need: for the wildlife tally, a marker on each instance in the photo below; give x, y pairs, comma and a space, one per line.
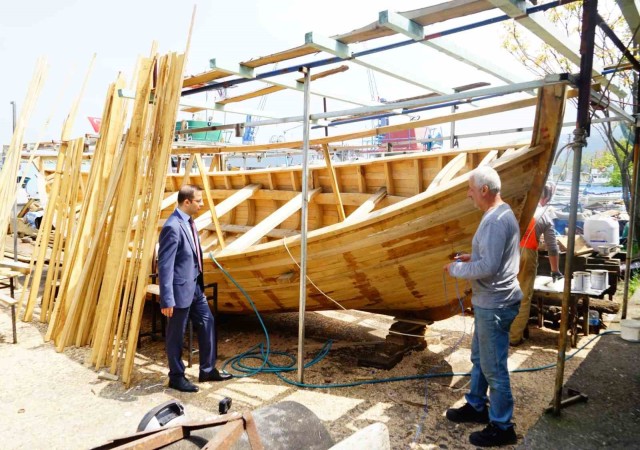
182, 291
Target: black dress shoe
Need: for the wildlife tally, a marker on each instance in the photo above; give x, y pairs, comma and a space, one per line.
182, 385
214, 375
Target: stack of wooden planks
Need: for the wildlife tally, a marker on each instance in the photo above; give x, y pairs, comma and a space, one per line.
96, 284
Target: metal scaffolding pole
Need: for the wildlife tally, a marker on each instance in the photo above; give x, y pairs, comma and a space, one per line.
15, 203
303, 225
589, 20
633, 210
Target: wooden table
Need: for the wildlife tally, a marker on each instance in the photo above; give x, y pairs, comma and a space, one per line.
545, 287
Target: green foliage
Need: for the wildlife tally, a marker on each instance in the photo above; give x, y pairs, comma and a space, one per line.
606, 161
634, 282
616, 177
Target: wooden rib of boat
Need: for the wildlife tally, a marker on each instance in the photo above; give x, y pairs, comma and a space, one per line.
380, 231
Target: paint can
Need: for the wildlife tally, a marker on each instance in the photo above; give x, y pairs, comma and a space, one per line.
599, 279
630, 330
581, 281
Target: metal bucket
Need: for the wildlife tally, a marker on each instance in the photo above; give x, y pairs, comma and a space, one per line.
581, 281
606, 250
599, 279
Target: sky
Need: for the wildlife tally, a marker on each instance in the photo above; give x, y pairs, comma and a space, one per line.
69, 32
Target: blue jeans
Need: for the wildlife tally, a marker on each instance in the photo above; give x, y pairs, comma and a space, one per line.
489, 353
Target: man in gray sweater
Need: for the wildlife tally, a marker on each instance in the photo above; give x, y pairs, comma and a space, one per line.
492, 268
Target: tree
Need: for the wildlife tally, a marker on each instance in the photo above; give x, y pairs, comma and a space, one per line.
609, 163
541, 59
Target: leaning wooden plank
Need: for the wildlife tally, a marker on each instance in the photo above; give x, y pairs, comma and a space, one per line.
269, 223
447, 173
150, 197
228, 204
170, 200
11, 164
82, 295
489, 157
38, 257
188, 167
122, 215
83, 298
163, 139
212, 205
334, 181
71, 117
65, 206
367, 206
25, 208
102, 164
120, 330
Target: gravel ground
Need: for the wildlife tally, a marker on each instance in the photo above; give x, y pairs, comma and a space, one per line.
53, 400
610, 378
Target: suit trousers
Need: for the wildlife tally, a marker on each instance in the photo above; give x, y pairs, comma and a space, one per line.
200, 314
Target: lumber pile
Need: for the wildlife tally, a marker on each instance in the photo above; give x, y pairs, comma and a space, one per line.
96, 281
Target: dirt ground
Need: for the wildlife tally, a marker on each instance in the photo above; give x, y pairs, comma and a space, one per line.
54, 400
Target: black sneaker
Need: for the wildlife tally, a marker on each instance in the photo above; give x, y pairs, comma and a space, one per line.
493, 436
468, 413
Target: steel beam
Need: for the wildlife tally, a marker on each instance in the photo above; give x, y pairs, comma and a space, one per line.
296, 86
548, 33
629, 9
230, 108
342, 50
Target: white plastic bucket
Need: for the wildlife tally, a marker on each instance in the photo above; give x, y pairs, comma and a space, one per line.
581, 281
630, 330
599, 279
601, 230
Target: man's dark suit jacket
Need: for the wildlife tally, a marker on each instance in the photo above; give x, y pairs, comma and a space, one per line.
177, 263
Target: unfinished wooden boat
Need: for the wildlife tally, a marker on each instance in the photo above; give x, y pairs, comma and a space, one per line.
380, 231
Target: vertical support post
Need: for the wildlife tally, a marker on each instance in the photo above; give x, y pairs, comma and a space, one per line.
583, 125
324, 108
15, 203
303, 222
633, 207
452, 135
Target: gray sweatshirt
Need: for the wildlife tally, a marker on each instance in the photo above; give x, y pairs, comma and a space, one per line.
495, 260
544, 226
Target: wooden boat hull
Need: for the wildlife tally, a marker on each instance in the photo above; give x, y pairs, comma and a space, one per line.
389, 260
